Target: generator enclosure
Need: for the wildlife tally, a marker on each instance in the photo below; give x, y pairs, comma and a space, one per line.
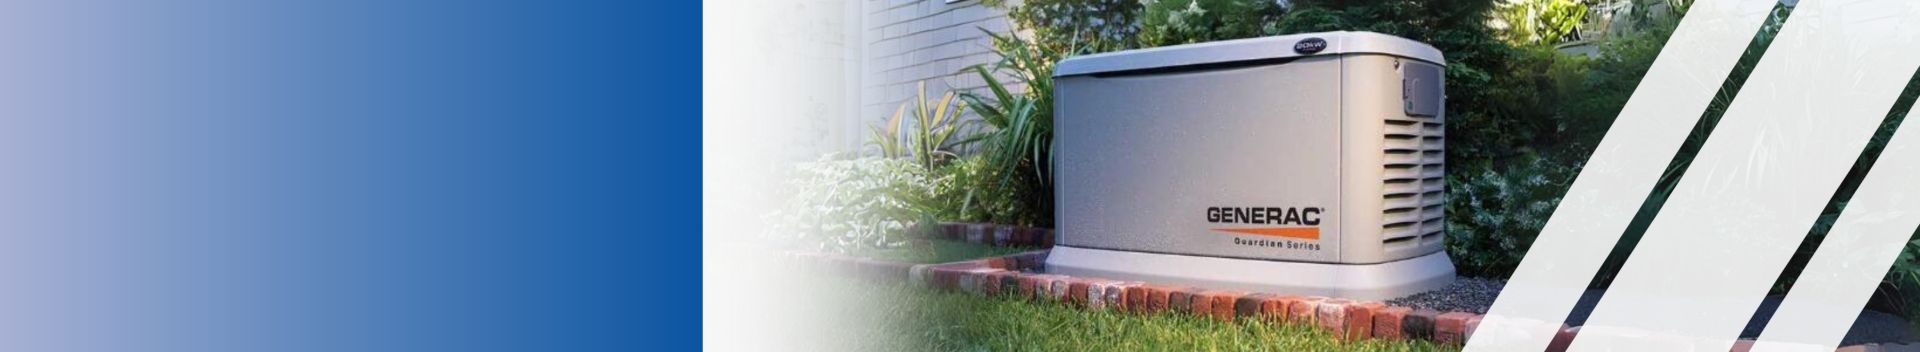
1308, 163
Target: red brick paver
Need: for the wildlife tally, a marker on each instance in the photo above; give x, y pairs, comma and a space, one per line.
1224, 303
1251, 305
1136, 299
1303, 310
1182, 300
1332, 314
1274, 308
1360, 320
1419, 324
1158, 297
1386, 322
1451, 328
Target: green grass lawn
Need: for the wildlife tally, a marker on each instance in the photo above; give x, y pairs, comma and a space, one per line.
904, 318
940, 251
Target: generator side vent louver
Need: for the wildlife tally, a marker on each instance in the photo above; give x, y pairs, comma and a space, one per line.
1414, 182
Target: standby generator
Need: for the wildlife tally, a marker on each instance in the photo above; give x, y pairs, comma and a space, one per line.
1307, 164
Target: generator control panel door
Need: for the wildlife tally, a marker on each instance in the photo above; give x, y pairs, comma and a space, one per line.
1236, 160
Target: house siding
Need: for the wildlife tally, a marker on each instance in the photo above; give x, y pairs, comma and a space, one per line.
912, 41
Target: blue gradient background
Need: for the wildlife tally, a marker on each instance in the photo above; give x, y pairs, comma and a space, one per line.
348, 175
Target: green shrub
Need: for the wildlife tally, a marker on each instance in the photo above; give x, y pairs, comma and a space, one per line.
1075, 26
1900, 291
1596, 97
975, 191
846, 205
1534, 22
1593, 99
1170, 22
1506, 209
868, 203
1020, 144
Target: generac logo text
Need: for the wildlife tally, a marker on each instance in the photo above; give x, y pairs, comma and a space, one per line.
1309, 216
1301, 223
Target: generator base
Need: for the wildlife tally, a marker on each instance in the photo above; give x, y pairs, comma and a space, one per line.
1381, 281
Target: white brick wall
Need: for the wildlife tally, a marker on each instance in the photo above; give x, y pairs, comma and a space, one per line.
910, 41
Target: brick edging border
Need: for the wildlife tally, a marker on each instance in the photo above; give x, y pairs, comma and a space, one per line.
1018, 276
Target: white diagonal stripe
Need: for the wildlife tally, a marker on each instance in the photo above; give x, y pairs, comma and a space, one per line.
1866, 239
1761, 180
1620, 174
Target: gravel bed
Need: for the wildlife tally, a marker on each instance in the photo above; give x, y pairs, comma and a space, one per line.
1465, 294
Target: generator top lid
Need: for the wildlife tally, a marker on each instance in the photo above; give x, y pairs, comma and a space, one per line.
1251, 49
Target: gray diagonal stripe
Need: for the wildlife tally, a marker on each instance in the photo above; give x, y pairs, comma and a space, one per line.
1761, 180
1865, 241
1619, 175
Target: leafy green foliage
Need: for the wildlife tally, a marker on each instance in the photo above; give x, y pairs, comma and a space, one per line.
887, 139
1509, 164
843, 205
977, 192
1170, 22
879, 203
1020, 142
1536, 22
1610, 80
1900, 291
1507, 209
1075, 26
1596, 96
930, 142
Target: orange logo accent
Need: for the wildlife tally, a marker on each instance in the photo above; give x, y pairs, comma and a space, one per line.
1305, 233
